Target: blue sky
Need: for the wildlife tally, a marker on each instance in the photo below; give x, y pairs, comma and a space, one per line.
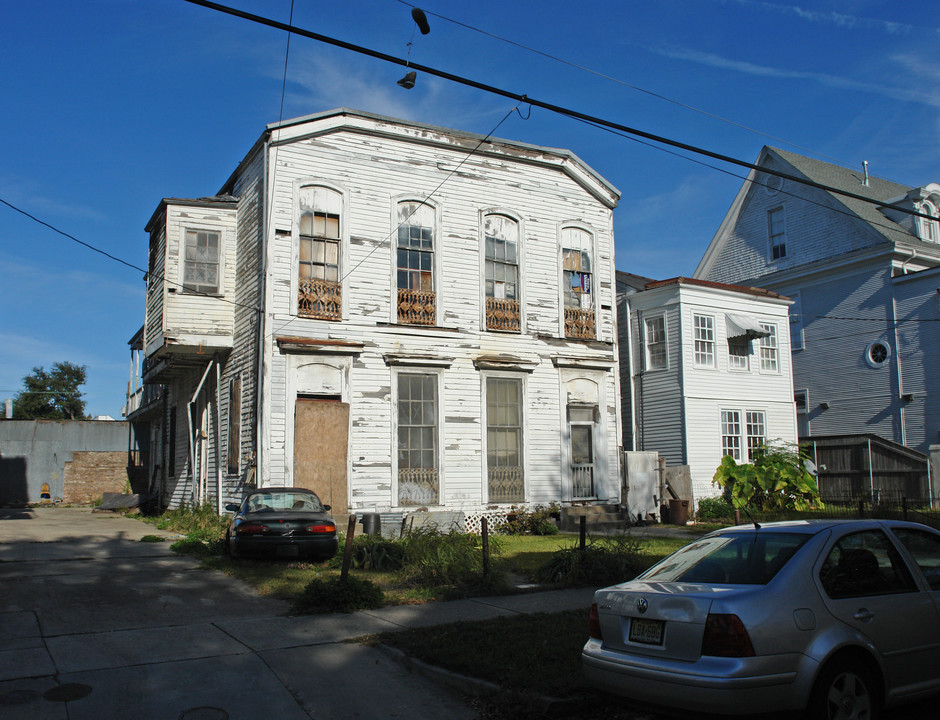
111, 105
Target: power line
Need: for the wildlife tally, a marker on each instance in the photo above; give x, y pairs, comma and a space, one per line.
558, 109
605, 76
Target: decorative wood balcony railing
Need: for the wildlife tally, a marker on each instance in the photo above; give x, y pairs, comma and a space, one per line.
506, 485
579, 323
418, 486
416, 307
320, 299
502, 315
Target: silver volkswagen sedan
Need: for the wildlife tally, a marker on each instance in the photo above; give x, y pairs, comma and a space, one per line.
837, 618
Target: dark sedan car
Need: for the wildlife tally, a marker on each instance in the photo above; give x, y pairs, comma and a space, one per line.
282, 522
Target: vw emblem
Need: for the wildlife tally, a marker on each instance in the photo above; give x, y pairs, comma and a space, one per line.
642, 605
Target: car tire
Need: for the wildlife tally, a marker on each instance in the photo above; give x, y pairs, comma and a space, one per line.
845, 690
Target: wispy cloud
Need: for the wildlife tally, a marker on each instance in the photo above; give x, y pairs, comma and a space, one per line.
842, 20
35, 199
915, 95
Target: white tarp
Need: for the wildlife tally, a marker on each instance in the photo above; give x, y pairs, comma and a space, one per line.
642, 484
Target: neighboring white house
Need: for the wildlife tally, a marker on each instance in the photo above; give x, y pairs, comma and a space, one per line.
709, 369
395, 315
863, 277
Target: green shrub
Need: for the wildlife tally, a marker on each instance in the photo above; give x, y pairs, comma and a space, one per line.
153, 539
432, 558
539, 520
717, 508
603, 561
336, 595
373, 552
199, 548
199, 522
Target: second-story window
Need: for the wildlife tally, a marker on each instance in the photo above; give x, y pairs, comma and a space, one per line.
416, 296
201, 261
656, 343
319, 288
768, 349
776, 229
501, 272
578, 285
704, 341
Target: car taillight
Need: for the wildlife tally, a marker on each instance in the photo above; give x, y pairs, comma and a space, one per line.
594, 623
252, 529
321, 529
726, 636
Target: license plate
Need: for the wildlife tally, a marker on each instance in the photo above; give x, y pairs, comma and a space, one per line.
648, 632
287, 551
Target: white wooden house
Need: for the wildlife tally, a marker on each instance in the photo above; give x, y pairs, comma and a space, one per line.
709, 372
864, 280
393, 314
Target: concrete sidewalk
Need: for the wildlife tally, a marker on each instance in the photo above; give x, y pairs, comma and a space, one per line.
131, 630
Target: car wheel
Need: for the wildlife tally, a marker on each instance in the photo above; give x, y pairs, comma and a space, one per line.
846, 690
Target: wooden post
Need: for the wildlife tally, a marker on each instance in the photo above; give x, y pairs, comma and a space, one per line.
347, 553
484, 528
583, 530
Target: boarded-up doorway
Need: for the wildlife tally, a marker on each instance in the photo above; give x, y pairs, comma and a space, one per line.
321, 430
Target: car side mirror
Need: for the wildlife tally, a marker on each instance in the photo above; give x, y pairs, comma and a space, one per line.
327, 507
231, 507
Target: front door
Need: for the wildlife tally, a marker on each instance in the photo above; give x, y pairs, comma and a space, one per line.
321, 436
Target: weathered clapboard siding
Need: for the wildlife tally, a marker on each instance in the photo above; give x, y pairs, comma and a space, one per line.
156, 291
375, 163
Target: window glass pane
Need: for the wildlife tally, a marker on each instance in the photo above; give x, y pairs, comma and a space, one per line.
864, 564
925, 548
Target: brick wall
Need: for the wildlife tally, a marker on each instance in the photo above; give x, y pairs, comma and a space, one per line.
90, 474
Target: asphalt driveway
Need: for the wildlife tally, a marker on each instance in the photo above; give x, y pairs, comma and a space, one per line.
98, 625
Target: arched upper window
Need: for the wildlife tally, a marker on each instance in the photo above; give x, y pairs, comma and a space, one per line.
930, 232
577, 250
501, 272
319, 240
415, 263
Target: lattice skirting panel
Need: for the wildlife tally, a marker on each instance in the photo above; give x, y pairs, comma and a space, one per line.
494, 520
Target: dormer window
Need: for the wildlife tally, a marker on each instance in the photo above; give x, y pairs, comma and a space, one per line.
929, 230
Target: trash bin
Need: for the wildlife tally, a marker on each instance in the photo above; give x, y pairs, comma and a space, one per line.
371, 523
679, 512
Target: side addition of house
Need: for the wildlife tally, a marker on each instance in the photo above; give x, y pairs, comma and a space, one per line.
709, 372
395, 315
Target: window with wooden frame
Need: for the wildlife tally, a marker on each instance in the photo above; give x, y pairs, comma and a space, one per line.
768, 349
319, 242
704, 352
201, 261
504, 457
578, 283
415, 264
777, 232
417, 447
656, 357
501, 273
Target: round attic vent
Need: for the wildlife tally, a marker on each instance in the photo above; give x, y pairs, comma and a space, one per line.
877, 354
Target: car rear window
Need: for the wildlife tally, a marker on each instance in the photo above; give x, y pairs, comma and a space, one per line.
746, 559
281, 501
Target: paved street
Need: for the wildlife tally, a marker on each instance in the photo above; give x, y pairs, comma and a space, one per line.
97, 625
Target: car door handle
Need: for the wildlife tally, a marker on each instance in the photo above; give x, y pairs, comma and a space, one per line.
863, 614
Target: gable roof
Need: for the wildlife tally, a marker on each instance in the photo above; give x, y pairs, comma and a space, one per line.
882, 229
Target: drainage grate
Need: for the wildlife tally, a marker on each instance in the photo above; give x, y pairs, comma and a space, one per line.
67, 692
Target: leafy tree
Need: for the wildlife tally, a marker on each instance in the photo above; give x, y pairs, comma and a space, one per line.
776, 479
51, 395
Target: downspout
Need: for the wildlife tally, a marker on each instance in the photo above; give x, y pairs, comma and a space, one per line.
871, 474
266, 213
218, 434
897, 367
904, 264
